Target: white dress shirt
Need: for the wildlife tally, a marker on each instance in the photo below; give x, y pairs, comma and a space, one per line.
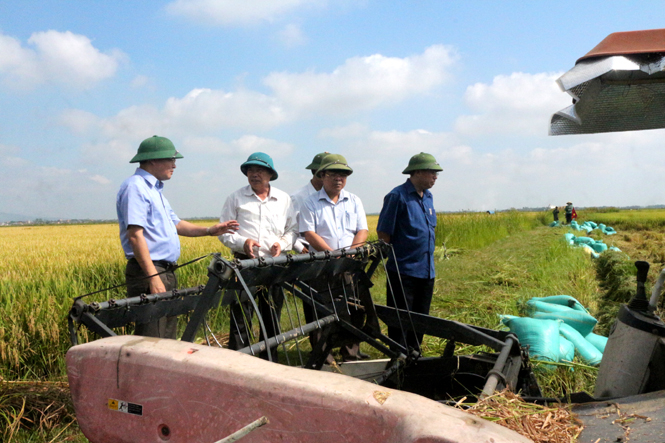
266, 221
336, 223
298, 198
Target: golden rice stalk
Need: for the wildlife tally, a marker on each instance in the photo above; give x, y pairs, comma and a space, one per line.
546, 424
34, 405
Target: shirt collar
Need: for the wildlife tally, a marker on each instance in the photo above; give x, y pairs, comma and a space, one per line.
323, 195
410, 188
249, 192
149, 178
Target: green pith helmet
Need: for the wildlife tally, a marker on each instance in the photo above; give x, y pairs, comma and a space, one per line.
155, 148
334, 162
422, 161
259, 159
316, 162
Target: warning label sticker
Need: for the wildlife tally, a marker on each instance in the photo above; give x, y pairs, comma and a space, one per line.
125, 406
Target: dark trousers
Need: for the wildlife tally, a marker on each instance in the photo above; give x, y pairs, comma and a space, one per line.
270, 302
137, 284
337, 286
569, 217
413, 294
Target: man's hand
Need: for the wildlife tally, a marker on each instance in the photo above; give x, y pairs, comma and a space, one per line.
156, 285
276, 249
226, 227
249, 246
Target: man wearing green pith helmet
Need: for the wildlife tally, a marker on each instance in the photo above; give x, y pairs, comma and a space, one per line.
408, 221
149, 229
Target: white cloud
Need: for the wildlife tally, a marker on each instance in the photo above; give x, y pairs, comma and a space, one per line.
512, 104
80, 122
251, 143
141, 81
13, 162
9, 149
100, 179
237, 12
291, 35
362, 82
61, 58
238, 148
342, 132
207, 109
604, 169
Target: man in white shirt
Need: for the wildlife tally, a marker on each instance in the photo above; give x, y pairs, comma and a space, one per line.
298, 198
331, 219
267, 227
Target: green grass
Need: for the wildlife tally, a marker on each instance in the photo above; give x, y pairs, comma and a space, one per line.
478, 286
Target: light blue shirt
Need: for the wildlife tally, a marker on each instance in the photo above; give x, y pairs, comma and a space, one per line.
140, 202
336, 223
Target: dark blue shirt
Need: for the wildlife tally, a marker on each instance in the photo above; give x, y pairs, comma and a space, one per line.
410, 221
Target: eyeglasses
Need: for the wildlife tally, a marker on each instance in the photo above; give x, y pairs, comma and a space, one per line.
337, 174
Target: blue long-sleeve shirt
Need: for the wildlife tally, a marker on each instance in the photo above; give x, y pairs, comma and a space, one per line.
410, 221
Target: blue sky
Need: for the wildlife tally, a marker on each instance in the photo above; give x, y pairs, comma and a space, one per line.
472, 82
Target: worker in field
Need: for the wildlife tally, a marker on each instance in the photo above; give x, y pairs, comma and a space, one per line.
408, 221
298, 198
555, 213
149, 229
267, 228
569, 212
332, 219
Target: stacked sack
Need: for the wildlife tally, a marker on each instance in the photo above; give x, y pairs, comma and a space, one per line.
590, 246
589, 226
558, 327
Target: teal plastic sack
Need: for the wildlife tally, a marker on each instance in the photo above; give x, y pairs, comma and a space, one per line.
569, 237
581, 321
589, 250
587, 352
542, 336
565, 300
584, 240
566, 349
599, 246
554, 224
598, 341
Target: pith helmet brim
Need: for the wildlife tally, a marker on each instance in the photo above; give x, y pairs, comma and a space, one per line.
334, 162
260, 159
422, 161
316, 161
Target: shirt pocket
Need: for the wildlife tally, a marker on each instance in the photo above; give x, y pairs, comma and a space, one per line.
351, 222
431, 216
276, 224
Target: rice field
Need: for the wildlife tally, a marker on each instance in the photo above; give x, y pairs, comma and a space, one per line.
634, 220
44, 267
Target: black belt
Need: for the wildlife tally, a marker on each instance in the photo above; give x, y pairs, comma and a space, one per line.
169, 265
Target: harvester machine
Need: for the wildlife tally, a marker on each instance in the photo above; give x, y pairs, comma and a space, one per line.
130, 388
